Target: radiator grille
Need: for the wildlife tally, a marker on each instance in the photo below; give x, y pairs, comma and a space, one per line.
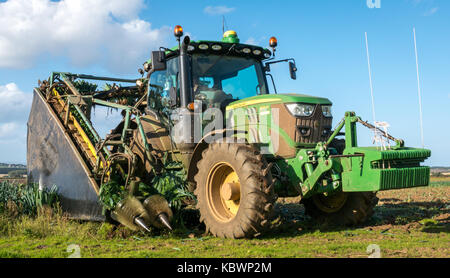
318, 127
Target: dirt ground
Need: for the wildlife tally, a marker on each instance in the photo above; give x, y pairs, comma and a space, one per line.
405, 208
412, 223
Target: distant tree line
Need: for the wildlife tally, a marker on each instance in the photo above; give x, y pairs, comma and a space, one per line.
7, 170
17, 173
6, 165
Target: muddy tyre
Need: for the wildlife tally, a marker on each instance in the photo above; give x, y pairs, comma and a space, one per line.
234, 190
341, 209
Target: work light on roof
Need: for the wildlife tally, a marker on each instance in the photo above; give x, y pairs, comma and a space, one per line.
257, 52
216, 47
203, 46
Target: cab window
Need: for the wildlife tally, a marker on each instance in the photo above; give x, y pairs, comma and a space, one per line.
160, 84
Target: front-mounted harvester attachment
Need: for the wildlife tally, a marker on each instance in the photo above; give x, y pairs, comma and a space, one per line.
96, 177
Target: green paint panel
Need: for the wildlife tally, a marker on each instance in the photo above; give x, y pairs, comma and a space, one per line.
405, 153
404, 178
365, 174
281, 98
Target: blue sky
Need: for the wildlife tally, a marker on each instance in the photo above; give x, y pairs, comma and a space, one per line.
325, 37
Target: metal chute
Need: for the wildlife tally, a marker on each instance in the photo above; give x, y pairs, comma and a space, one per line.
54, 159
64, 149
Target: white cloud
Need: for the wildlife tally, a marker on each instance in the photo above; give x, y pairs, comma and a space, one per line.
14, 104
107, 32
217, 10
431, 11
251, 40
254, 41
8, 129
13, 138
427, 6
14, 111
15, 108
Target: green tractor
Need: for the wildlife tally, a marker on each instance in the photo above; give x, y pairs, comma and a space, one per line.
203, 109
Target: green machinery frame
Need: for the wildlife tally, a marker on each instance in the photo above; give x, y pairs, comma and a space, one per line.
358, 169
89, 100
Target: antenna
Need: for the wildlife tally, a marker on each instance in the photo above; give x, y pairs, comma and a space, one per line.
419, 90
224, 23
370, 78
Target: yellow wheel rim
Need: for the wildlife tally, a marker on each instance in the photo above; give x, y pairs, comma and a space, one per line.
332, 203
223, 192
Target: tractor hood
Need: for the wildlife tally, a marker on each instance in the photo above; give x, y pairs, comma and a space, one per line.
278, 98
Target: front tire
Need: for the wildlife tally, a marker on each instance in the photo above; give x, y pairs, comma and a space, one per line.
234, 190
341, 209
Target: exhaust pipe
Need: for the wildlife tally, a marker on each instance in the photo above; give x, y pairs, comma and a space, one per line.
185, 74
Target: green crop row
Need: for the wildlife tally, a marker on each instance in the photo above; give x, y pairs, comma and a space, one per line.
25, 198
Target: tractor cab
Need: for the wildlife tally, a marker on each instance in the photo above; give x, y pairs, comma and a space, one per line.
219, 80
197, 77
215, 73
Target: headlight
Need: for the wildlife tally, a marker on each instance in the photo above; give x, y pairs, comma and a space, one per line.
246, 50
300, 110
326, 110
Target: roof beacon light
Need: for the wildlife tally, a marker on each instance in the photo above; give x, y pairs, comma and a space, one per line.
273, 43
230, 37
178, 31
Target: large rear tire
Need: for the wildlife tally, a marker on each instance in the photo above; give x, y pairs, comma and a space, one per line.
234, 190
341, 209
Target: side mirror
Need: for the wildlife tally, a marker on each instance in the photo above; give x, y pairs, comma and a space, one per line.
293, 70
158, 60
173, 97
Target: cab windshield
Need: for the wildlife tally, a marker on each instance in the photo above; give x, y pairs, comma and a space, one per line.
219, 80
